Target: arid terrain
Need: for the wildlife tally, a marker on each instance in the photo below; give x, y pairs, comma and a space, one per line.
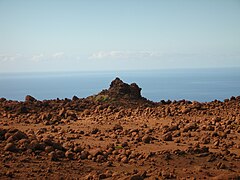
118, 134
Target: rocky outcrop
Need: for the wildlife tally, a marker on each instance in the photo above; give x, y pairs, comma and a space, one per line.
120, 90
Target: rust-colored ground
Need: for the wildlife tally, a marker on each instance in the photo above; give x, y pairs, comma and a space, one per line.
117, 134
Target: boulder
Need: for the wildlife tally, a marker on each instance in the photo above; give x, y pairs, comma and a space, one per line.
117, 127
22, 109
19, 135
2, 99
29, 98
75, 98
146, 139
10, 147
95, 152
167, 136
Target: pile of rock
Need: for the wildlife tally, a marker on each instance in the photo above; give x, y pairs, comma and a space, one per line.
120, 90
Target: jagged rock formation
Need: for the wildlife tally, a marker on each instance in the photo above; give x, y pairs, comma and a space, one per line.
121, 94
120, 90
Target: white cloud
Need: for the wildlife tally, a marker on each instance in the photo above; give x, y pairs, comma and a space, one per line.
8, 58
58, 55
38, 57
124, 55
47, 57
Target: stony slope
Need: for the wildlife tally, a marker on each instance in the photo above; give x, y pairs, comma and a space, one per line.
118, 134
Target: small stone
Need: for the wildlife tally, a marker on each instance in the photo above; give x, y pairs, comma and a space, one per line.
94, 131
185, 110
35, 145
2, 99
9, 174
62, 112
102, 176
10, 147
109, 163
233, 176
84, 155
167, 136
49, 149
59, 153
216, 143
53, 156
136, 177
146, 139
190, 127
10, 139
77, 149
166, 174
100, 158
69, 154
19, 135
220, 165
29, 98
211, 158
95, 152
124, 159
75, 98
117, 127
216, 119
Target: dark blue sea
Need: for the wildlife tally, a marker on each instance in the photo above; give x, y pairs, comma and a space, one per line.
176, 84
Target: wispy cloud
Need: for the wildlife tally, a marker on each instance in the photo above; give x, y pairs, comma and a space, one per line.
37, 57
48, 57
8, 58
40, 57
58, 55
123, 55
161, 56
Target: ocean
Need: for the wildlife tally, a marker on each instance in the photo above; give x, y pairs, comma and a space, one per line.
201, 85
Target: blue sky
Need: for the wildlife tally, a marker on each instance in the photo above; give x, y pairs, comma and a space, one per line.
83, 35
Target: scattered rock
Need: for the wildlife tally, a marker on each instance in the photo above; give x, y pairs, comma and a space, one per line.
10, 147
29, 98
167, 136
233, 176
124, 159
146, 139
19, 135
95, 152
53, 156
190, 127
136, 177
117, 127
94, 131
69, 155
118, 134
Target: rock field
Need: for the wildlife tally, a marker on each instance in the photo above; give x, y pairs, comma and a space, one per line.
118, 134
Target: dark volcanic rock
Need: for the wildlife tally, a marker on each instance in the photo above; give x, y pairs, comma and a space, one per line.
29, 98
119, 89
10, 147
2, 99
120, 94
22, 109
167, 136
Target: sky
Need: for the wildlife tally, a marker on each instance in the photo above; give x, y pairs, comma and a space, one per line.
109, 35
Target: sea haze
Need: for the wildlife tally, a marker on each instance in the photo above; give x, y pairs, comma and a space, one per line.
191, 84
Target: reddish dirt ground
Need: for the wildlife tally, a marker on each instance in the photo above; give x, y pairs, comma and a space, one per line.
118, 134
